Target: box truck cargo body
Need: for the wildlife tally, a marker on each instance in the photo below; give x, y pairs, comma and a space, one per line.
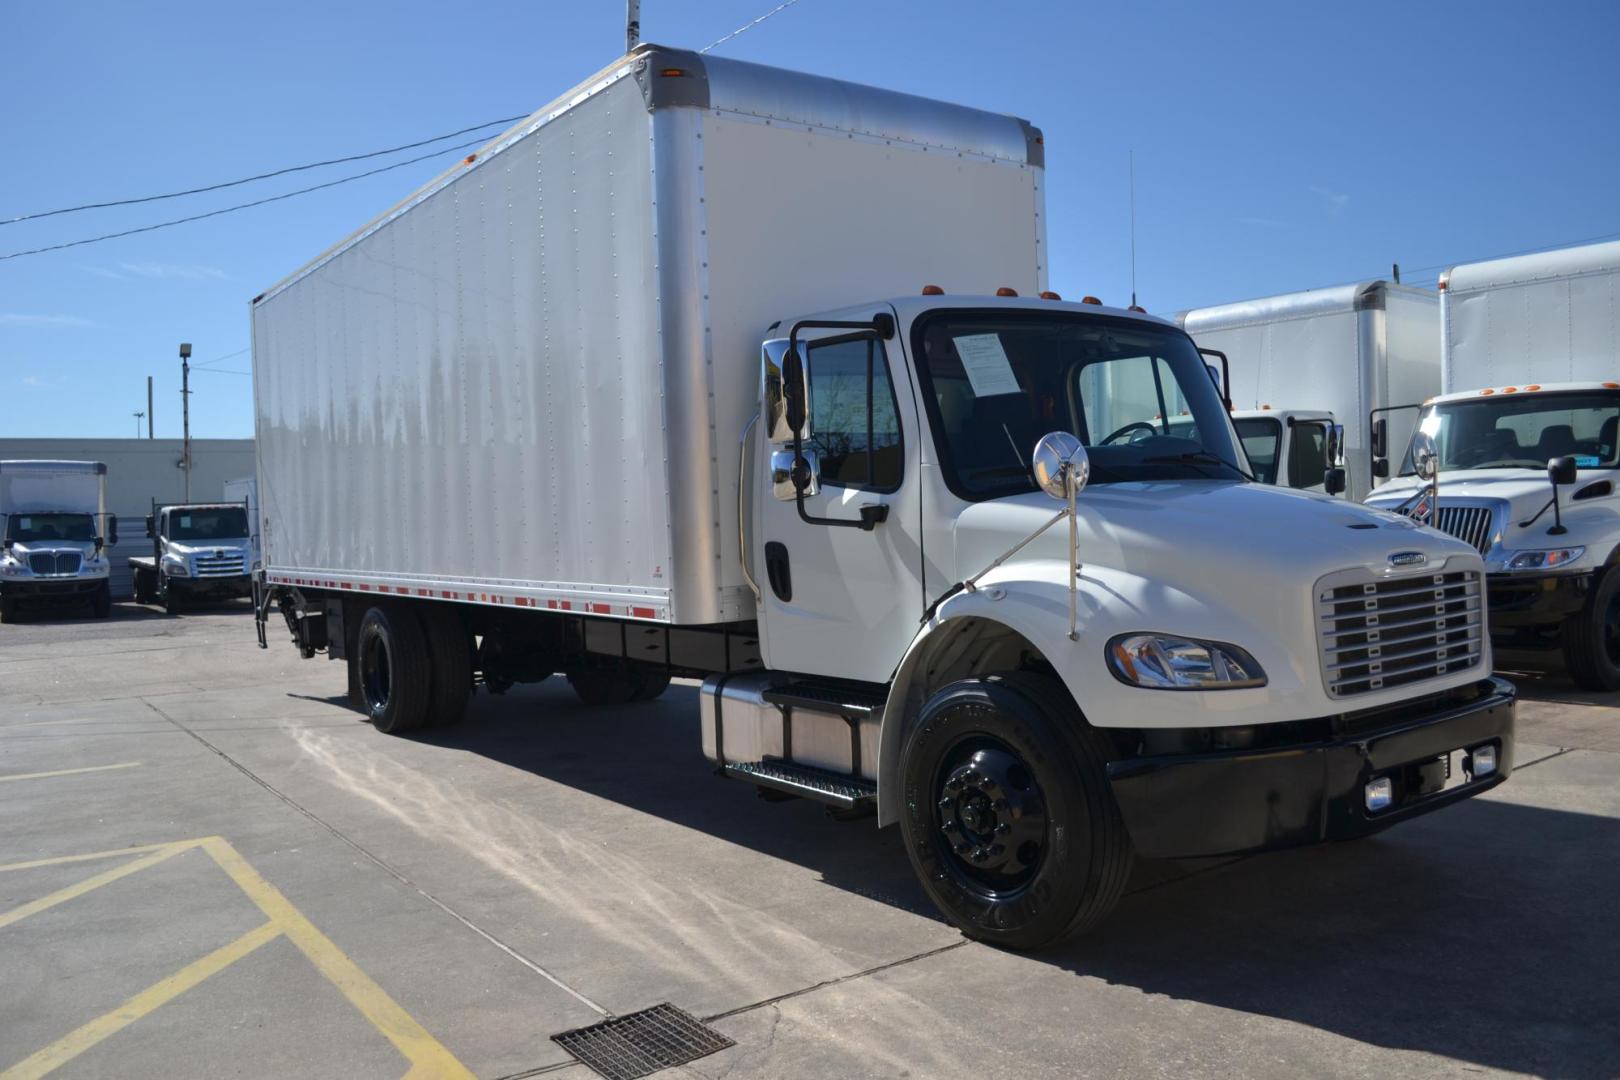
714, 370
1347, 350
1526, 441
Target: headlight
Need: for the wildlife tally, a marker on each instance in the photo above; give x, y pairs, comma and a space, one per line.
1544, 559
176, 566
12, 567
1164, 662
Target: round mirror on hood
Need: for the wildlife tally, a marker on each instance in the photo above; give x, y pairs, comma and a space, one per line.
1059, 458
1425, 456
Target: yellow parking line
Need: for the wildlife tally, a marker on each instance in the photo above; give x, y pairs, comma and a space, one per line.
106, 877
161, 993
428, 1057
68, 772
88, 856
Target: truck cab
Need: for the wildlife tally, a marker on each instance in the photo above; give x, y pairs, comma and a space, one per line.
1527, 475
55, 530
199, 551
1296, 448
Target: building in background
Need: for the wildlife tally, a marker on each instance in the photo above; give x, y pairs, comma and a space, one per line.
138, 471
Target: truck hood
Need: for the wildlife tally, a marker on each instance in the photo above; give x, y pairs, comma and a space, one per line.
1184, 531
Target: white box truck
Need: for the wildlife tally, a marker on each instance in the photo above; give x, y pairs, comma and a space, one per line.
1526, 444
667, 381
55, 532
1301, 361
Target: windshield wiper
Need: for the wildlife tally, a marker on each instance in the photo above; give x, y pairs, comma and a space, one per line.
1194, 456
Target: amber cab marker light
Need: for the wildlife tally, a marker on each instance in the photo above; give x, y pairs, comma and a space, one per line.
933, 290
1533, 386
1486, 393
1090, 300
1611, 386
1004, 291
470, 159
673, 73
1137, 308
1510, 389
1048, 294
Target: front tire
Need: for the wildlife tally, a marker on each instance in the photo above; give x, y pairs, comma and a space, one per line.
1592, 636
173, 602
101, 601
8, 610
395, 670
1009, 820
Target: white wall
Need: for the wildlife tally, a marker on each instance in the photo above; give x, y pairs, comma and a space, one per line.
140, 470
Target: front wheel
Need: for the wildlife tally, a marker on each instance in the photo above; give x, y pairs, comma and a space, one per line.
1592, 636
101, 601
173, 602
1009, 820
8, 610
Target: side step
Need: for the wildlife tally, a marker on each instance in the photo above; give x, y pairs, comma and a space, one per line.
848, 702
843, 793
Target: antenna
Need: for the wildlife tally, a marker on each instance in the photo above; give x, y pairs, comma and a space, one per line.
632, 25
1133, 227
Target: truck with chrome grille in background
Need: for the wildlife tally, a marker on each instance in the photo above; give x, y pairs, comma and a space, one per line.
1526, 441
55, 531
200, 551
713, 370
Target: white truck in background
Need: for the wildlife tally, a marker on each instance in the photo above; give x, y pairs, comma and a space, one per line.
200, 551
716, 370
1526, 437
1302, 361
55, 531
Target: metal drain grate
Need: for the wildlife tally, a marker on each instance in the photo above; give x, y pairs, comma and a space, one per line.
641, 1043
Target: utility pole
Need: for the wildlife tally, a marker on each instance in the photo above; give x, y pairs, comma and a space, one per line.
185, 412
632, 25
138, 424
149, 413
1396, 270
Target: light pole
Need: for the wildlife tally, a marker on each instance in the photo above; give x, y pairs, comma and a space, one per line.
138, 424
185, 412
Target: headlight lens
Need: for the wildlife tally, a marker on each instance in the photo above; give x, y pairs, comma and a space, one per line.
176, 566
1545, 559
1166, 662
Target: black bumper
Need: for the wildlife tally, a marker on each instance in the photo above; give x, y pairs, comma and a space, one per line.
1190, 805
235, 585
52, 591
1516, 603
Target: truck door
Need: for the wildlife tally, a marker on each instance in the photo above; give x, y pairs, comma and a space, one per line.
839, 600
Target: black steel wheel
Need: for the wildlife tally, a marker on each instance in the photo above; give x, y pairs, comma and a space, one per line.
394, 669
1009, 820
1592, 636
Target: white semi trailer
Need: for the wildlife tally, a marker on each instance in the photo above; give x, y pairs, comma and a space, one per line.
1527, 441
1301, 361
54, 535
666, 381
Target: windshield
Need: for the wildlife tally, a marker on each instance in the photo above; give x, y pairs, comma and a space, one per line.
226, 523
1136, 395
26, 527
1523, 432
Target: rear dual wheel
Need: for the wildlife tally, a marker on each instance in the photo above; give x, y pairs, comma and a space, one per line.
1009, 820
618, 685
412, 669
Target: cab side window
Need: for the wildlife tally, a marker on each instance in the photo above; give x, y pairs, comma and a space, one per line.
1307, 456
854, 422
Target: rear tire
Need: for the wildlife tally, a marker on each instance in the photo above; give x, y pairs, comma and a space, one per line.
1009, 822
452, 666
144, 592
395, 670
1592, 636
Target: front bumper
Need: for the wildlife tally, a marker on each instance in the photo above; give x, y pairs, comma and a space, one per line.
1225, 802
1523, 601
49, 589
224, 585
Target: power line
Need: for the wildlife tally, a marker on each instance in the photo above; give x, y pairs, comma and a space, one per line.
240, 206
220, 371
220, 359
778, 9
260, 176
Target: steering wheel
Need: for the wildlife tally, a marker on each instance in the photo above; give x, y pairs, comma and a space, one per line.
1139, 425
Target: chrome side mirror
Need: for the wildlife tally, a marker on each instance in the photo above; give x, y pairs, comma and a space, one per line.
1060, 461
1425, 456
778, 368
788, 474
1335, 446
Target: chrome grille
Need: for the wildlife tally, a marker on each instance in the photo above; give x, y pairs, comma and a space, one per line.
1376, 635
60, 562
1470, 524
220, 564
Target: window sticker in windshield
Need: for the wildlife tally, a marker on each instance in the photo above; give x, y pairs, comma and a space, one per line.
986, 364
185, 521
27, 523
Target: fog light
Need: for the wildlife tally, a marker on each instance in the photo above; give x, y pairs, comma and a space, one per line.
1379, 794
1481, 761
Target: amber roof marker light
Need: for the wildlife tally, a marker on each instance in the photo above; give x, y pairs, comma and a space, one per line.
1048, 294
1005, 291
933, 290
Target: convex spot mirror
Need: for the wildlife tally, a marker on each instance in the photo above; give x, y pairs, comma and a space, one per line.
1060, 460
1561, 470
112, 530
151, 526
1425, 456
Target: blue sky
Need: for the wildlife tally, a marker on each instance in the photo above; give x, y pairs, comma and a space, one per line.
1278, 146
